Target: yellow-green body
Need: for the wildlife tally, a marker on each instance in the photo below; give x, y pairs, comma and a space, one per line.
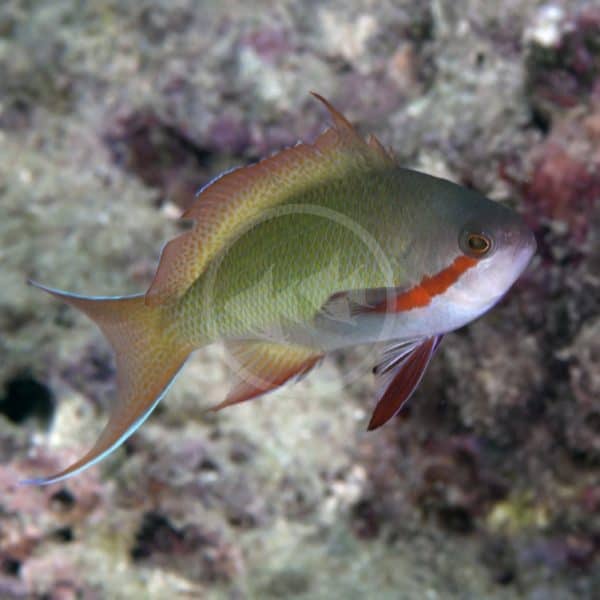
368, 229
282, 268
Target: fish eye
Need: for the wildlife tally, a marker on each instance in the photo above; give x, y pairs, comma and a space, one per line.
476, 245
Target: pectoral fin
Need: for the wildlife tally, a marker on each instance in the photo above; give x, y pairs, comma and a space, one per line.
263, 366
344, 306
398, 375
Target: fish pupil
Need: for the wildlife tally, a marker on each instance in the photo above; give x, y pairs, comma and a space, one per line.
478, 243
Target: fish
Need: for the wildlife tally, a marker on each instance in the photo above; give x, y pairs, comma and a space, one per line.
319, 247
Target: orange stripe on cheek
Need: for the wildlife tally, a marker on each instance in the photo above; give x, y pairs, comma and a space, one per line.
421, 294
439, 283
414, 298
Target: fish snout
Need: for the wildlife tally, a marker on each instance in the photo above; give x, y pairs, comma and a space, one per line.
524, 245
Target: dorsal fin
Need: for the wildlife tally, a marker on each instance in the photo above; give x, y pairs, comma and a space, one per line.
229, 203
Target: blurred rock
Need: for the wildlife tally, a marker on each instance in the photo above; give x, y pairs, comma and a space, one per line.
112, 115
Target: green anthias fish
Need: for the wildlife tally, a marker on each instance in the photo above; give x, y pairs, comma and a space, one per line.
319, 247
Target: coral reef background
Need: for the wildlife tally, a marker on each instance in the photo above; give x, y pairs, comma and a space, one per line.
112, 114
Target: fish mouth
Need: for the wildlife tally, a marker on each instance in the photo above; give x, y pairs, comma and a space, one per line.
525, 249
521, 247
508, 264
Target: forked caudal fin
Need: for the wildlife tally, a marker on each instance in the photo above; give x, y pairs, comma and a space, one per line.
149, 355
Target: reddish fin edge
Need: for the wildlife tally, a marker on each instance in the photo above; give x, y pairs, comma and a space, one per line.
399, 383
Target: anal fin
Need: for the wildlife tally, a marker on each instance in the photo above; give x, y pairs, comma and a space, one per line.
264, 366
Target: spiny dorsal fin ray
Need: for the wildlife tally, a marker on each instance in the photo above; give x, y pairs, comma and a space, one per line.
264, 366
228, 204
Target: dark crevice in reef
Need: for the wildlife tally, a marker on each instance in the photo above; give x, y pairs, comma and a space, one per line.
156, 534
64, 534
199, 554
11, 566
63, 499
24, 398
161, 154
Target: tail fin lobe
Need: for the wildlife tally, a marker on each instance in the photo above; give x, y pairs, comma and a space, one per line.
149, 354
